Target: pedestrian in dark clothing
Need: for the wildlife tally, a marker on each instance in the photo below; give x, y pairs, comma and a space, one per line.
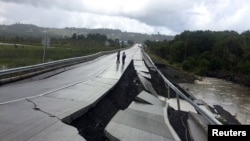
123, 57
118, 56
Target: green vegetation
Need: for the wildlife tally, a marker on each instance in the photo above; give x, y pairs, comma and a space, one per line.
29, 51
224, 54
33, 31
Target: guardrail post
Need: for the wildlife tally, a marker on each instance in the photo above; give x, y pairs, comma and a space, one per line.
178, 101
168, 92
44, 48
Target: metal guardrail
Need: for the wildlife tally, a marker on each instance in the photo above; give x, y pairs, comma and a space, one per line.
179, 93
54, 63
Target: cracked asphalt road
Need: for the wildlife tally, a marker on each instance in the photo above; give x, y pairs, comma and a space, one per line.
33, 110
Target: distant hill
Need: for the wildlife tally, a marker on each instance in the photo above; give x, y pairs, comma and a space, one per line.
29, 30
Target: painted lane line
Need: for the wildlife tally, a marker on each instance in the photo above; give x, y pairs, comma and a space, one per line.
52, 91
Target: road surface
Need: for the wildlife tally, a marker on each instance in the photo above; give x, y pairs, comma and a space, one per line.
81, 74
33, 110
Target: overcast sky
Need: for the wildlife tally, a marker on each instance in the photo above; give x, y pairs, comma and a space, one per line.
169, 17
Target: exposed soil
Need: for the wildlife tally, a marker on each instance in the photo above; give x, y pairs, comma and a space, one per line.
178, 120
175, 75
159, 84
91, 125
226, 117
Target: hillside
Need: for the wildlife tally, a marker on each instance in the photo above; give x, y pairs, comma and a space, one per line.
28, 30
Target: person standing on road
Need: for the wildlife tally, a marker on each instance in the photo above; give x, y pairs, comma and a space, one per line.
118, 56
123, 57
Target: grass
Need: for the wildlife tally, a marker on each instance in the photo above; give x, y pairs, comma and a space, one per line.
176, 67
157, 58
162, 60
12, 56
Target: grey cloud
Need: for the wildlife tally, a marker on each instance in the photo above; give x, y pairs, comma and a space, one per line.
68, 5
36, 3
174, 16
155, 13
171, 14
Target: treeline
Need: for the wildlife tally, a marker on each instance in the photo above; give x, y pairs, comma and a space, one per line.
91, 40
88, 41
224, 54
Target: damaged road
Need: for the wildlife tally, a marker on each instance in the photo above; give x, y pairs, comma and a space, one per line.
128, 98
35, 110
91, 125
97, 124
26, 121
39, 109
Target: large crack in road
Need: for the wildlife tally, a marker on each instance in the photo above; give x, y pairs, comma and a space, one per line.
91, 125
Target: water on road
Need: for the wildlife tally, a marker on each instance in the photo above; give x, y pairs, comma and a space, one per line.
232, 97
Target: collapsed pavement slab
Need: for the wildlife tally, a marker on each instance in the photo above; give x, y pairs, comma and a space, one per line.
141, 122
147, 84
149, 98
143, 75
146, 75
145, 119
140, 66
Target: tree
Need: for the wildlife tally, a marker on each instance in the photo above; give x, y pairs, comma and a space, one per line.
74, 36
177, 51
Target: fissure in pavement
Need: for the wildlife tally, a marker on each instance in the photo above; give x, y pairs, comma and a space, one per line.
38, 109
91, 125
